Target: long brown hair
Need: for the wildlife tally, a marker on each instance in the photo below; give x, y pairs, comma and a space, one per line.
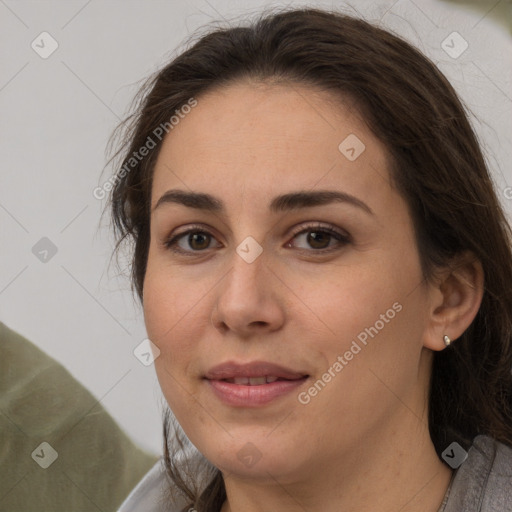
437, 165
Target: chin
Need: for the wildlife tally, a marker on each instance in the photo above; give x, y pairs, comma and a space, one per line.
252, 457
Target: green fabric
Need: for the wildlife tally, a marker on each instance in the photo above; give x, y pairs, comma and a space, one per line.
97, 464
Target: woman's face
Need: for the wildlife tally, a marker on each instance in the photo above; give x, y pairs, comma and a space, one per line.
327, 287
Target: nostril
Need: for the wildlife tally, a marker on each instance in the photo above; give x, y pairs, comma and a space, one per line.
259, 323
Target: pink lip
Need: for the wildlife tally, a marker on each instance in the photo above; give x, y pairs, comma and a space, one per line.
230, 370
252, 396
242, 395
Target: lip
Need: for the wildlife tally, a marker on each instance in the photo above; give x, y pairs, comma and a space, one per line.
230, 370
242, 395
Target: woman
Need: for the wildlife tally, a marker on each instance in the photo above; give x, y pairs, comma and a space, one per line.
325, 274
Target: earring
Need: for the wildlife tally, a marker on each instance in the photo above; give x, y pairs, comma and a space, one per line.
447, 340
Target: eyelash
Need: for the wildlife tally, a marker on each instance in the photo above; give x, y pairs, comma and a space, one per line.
342, 239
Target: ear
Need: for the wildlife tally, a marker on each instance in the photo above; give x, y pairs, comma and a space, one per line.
456, 295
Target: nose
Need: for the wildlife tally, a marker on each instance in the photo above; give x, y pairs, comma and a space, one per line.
249, 299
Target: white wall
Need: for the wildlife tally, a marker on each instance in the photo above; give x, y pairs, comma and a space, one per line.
56, 116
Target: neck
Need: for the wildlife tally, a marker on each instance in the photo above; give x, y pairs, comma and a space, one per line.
394, 468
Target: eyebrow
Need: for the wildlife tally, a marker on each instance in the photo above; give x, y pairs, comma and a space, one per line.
285, 202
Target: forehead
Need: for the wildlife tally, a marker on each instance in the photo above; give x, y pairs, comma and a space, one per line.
250, 136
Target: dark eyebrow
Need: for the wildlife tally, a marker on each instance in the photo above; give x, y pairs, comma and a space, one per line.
196, 200
285, 202
306, 199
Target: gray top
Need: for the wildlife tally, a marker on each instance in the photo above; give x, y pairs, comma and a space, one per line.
482, 483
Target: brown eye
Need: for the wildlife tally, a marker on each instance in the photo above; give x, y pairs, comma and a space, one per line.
319, 239
189, 242
199, 240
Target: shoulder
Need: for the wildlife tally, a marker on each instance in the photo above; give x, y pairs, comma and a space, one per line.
42, 402
497, 494
149, 492
154, 492
483, 483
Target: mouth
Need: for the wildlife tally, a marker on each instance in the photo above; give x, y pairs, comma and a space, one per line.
255, 381
252, 371
252, 384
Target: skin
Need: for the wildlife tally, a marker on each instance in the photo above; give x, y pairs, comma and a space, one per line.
362, 443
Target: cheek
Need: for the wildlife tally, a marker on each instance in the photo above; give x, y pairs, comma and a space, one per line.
177, 314
166, 313
170, 301
373, 305
346, 299
165, 316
